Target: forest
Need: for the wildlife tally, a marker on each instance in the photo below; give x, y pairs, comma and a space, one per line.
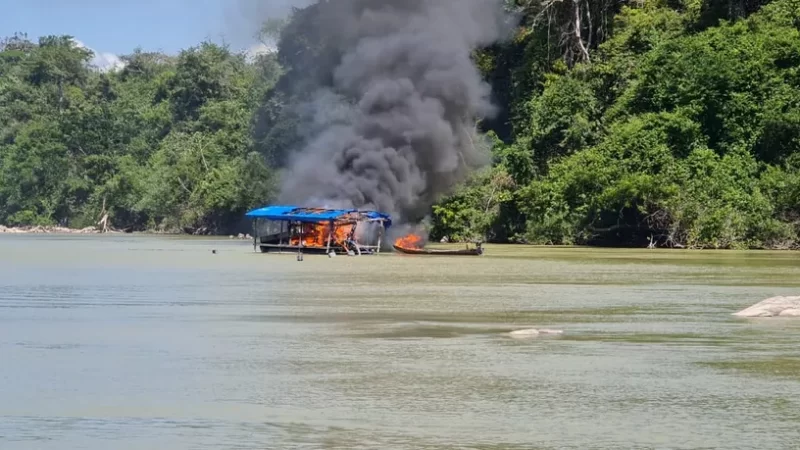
668, 123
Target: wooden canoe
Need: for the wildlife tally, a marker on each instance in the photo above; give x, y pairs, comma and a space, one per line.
421, 251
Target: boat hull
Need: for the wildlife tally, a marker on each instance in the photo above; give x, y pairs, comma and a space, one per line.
422, 251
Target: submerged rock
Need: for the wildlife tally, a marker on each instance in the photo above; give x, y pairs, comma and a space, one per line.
773, 307
532, 332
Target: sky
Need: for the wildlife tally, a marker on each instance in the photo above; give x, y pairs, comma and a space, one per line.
117, 27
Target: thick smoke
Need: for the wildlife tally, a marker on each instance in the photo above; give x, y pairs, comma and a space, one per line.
244, 19
397, 129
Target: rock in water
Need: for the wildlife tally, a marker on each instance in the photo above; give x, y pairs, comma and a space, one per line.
545, 331
773, 307
532, 332
524, 333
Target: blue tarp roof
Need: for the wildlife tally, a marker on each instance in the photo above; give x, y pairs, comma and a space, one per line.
303, 214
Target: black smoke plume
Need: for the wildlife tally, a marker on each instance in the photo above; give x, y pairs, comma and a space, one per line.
396, 128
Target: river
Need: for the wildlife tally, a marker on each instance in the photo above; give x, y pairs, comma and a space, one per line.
141, 342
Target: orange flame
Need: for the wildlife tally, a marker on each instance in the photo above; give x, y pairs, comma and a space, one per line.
411, 241
316, 234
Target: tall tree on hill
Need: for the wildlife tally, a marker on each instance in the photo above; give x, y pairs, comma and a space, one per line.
574, 26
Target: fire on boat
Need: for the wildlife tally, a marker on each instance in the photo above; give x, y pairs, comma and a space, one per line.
293, 229
414, 244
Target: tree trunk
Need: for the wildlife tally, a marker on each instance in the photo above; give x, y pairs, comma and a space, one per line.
584, 53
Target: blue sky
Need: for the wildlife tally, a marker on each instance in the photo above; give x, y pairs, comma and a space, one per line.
119, 26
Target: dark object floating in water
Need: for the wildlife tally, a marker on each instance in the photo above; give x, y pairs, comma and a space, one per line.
214, 252
477, 251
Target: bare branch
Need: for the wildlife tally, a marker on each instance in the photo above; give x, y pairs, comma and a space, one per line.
588, 22
577, 31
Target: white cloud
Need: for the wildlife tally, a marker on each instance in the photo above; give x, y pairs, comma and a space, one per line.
103, 61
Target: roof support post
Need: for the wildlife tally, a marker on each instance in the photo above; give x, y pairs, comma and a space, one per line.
255, 233
330, 236
380, 236
355, 240
300, 242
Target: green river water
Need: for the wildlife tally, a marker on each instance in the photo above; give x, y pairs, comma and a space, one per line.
138, 342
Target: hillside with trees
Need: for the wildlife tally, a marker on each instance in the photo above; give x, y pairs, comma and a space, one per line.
163, 144
671, 122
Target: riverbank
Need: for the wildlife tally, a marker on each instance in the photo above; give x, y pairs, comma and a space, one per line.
48, 230
38, 229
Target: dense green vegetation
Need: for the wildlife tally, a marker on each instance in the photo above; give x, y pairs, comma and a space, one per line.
676, 121
164, 143
681, 126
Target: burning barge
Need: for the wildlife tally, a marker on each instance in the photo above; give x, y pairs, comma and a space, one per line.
293, 229
281, 229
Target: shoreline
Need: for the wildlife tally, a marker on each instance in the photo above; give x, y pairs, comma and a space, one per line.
39, 229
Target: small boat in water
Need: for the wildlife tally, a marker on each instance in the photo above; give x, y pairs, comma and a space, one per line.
477, 251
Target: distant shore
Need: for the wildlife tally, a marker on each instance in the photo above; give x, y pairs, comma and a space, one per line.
38, 229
